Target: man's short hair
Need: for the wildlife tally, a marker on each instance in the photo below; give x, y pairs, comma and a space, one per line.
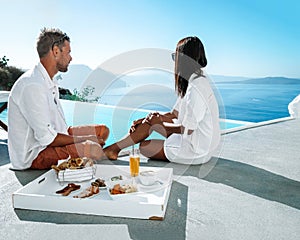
48, 38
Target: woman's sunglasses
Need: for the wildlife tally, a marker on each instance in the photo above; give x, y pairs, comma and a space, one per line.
173, 56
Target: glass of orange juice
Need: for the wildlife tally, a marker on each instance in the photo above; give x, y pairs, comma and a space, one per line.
134, 162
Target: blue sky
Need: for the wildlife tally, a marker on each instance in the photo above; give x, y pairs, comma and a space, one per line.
251, 38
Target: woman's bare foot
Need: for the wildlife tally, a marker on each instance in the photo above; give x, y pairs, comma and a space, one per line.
110, 153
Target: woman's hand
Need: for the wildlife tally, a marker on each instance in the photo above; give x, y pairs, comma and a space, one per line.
154, 118
135, 124
151, 119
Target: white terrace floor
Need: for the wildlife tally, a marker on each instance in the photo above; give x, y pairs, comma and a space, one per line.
252, 191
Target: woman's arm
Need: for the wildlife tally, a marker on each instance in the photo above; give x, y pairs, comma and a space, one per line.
175, 128
135, 124
167, 117
164, 124
173, 114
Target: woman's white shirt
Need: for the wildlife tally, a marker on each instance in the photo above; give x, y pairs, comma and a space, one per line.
197, 111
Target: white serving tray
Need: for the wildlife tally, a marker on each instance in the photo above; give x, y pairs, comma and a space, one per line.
147, 203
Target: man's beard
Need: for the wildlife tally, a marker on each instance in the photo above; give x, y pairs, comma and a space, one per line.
62, 68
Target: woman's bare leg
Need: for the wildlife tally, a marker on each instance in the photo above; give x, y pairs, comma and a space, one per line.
153, 149
141, 133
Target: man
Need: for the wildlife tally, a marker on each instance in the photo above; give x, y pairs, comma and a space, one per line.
38, 135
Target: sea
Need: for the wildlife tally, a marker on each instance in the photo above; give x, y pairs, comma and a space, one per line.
256, 102
237, 101
153, 89
243, 102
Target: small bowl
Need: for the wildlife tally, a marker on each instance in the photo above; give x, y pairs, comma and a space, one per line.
148, 177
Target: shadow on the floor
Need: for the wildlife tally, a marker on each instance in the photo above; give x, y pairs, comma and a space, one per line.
246, 178
256, 181
28, 175
4, 157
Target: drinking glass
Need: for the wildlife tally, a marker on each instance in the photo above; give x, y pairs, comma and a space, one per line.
134, 162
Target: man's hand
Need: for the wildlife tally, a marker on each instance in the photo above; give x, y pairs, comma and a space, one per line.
63, 140
97, 139
101, 141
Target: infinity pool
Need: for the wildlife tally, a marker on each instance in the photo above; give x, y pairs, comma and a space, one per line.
118, 119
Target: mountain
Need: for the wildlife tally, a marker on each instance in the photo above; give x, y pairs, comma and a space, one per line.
74, 77
223, 79
79, 76
268, 80
137, 88
107, 84
272, 80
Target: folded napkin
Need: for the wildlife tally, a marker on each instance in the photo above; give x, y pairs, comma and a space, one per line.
76, 175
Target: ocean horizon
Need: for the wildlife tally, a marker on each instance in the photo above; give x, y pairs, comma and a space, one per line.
243, 102
239, 98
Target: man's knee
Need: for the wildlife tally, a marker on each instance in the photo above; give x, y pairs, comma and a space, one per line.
93, 150
102, 131
105, 133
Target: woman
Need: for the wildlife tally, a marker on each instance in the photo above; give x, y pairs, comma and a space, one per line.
192, 128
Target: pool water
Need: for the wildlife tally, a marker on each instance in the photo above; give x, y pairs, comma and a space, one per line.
229, 124
118, 119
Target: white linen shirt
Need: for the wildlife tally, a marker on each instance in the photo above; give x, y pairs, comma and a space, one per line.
35, 116
198, 111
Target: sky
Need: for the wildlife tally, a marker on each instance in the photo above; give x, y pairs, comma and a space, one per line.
249, 38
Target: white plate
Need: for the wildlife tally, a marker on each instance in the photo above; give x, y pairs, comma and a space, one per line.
94, 195
101, 188
110, 184
122, 183
158, 185
71, 193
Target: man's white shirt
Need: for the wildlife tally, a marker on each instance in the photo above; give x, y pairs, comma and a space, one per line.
35, 116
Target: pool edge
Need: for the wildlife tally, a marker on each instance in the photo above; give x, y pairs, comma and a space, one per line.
255, 125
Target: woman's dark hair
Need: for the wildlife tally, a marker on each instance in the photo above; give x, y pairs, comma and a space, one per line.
190, 58
49, 38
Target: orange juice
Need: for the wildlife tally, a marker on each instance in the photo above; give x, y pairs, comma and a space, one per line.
134, 162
